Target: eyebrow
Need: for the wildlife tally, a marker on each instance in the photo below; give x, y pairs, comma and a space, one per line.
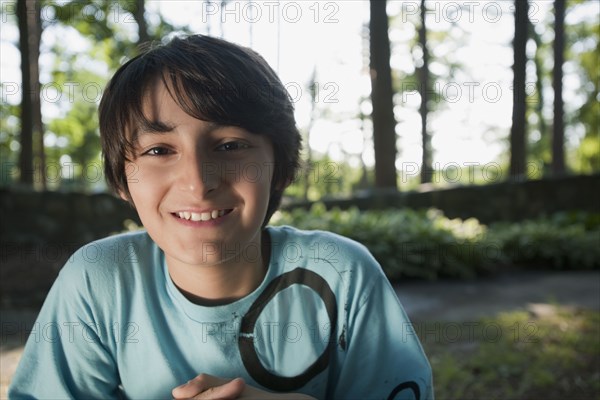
162, 127
154, 127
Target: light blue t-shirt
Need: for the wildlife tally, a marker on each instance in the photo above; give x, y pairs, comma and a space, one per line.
325, 321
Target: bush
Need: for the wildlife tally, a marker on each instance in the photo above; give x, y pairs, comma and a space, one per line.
427, 245
407, 243
550, 243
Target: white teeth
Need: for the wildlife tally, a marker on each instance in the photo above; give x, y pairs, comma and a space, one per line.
196, 217
205, 216
184, 215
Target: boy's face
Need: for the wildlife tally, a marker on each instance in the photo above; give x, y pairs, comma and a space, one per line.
201, 190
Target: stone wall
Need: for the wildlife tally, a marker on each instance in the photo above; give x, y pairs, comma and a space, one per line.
58, 217
506, 201
39, 232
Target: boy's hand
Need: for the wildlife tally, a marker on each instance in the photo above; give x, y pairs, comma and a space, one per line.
208, 387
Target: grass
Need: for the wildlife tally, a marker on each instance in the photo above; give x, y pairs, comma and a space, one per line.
551, 352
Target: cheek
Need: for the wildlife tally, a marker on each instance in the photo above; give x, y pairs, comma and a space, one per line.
144, 183
254, 185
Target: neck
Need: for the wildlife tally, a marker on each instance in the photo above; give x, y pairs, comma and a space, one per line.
222, 283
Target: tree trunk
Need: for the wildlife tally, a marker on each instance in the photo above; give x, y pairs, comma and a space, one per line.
312, 89
517, 133
539, 149
426, 167
31, 158
384, 123
138, 15
558, 132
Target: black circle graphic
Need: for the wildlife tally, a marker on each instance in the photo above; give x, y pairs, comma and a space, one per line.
406, 385
246, 338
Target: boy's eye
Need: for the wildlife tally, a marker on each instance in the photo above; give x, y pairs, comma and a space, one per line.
157, 151
232, 146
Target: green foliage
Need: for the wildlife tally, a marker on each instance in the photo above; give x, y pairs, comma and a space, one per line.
563, 241
428, 245
519, 356
587, 155
325, 178
9, 137
407, 243
112, 33
583, 47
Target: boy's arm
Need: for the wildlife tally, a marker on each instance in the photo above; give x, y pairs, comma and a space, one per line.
65, 356
383, 358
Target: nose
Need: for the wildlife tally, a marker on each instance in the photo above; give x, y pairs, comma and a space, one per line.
198, 174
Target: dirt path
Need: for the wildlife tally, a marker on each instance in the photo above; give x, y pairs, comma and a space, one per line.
471, 300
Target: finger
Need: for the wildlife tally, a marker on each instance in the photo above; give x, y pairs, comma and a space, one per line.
200, 384
230, 390
194, 386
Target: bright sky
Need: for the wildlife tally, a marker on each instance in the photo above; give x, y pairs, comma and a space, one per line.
327, 37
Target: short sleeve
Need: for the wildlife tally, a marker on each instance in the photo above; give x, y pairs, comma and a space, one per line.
66, 354
383, 358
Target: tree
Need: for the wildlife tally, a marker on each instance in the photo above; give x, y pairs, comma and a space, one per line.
97, 22
31, 157
582, 49
558, 130
312, 90
426, 160
587, 156
540, 148
384, 123
517, 132
417, 77
138, 14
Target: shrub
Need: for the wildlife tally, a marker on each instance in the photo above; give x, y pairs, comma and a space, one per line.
407, 243
427, 245
561, 241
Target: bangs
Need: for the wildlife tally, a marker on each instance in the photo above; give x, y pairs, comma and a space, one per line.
203, 87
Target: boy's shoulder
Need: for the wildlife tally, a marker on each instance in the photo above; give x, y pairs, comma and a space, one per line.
112, 255
308, 237
101, 272
317, 245
116, 249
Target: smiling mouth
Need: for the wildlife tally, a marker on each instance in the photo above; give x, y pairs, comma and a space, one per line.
203, 217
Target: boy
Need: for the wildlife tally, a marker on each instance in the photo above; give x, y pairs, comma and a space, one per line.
199, 135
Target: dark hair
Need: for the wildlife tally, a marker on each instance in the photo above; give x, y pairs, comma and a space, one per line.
213, 80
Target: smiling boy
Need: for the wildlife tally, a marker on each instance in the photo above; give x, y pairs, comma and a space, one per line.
199, 136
